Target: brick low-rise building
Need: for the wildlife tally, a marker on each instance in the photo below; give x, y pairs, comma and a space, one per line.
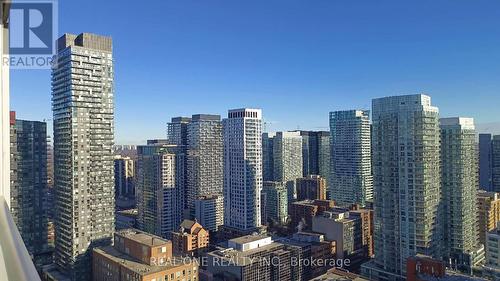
302, 212
140, 256
311, 187
190, 238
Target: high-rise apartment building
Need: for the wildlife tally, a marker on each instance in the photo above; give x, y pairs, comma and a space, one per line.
310, 152
460, 184
209, 211
83, 115
407, 179
242, 168
124, 177
287, 152
351, 180
311, 187
177, 130
488, 213
160, 188
316, 153
268, 156
28, 190
324, 157
485, 162
495, 163
204, 159
274, 202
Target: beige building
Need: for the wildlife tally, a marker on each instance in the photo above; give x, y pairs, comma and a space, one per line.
190, 238
139, 256
488, 210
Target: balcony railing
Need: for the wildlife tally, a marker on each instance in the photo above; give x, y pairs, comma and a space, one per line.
15, 262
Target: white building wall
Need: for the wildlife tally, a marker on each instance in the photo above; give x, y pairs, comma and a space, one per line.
242, 132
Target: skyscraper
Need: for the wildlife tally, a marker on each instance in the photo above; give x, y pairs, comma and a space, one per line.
83, 114
204, 159
324, 157
177, 130
407, 179
29, 183
160, 188
275, 200
268, 156
310, 153
351, 180
287, 151
242, 168
460, 184
485, 162
124, 177
315, 153
495, 163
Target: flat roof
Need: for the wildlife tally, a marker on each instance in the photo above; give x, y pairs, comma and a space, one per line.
243, 258
135, 265
142, 237
248, 239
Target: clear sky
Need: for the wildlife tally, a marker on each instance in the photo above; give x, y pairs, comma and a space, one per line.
297, 60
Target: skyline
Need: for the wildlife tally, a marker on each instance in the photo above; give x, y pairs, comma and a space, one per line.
295, 61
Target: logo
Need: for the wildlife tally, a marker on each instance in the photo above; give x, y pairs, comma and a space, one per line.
32, 34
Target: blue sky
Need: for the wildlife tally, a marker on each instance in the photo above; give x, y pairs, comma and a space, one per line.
297, 60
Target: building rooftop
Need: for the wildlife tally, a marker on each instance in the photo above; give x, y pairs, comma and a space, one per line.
309, 237
206, 117
209, 197
339, 275
187, 224
487, 194
135, 265
128, 213
142, 237
248, 239
242, 258
181, 119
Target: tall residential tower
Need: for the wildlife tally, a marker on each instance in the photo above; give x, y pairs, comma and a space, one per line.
204, 160
82, 104
460, 185
485, 162
160, 188
242, 168
287, 154
407, 181
351, 180
28, 190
